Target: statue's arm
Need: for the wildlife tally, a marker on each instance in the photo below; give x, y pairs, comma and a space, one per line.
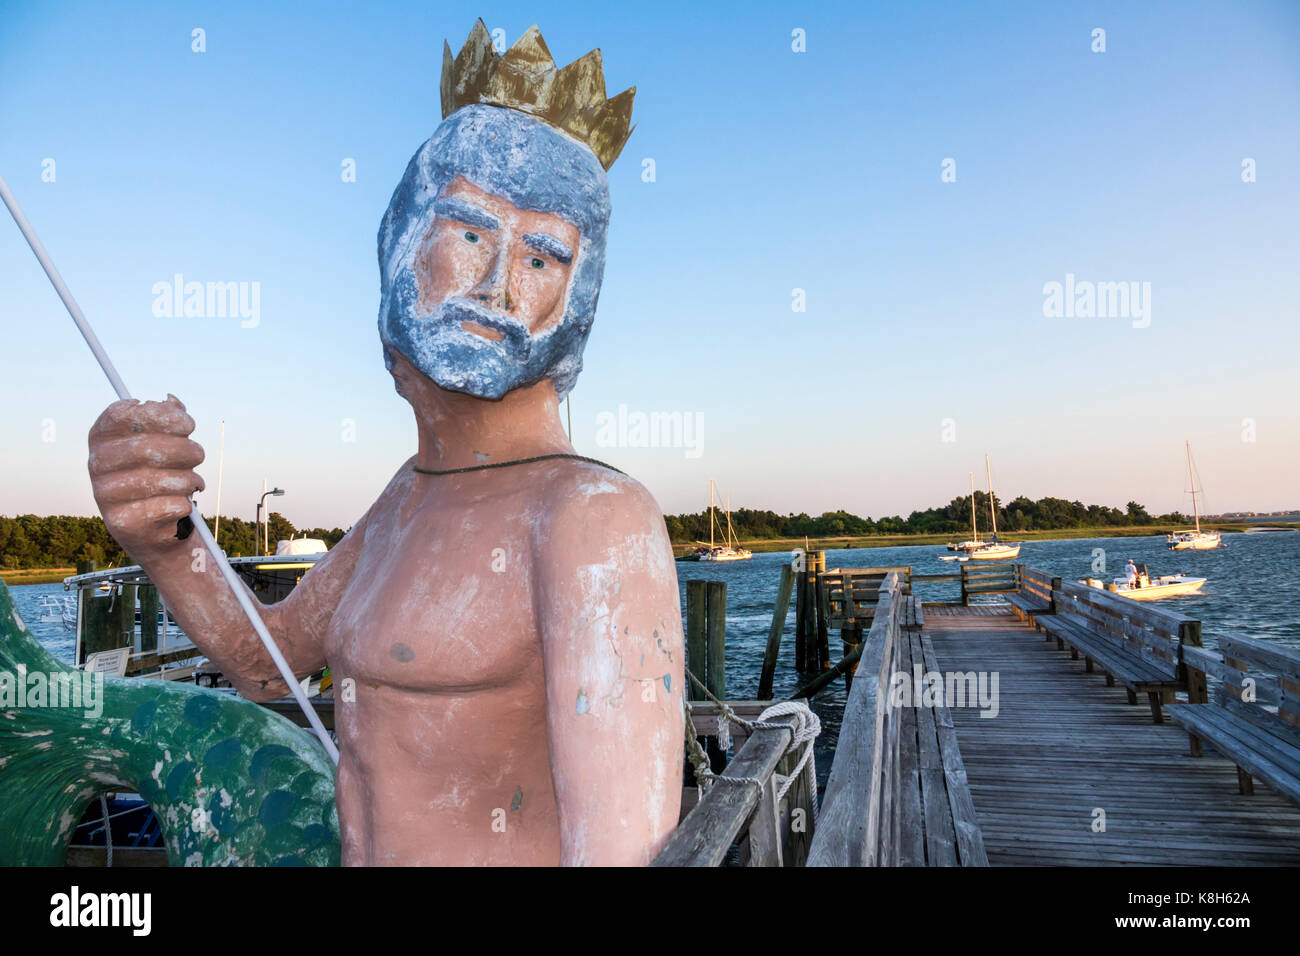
612, 648
141, 468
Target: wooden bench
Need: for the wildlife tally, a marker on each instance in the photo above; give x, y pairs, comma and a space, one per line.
1135, 645
898, 793
1034, 597
1255, 677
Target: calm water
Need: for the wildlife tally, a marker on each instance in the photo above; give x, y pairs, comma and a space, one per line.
1253, 589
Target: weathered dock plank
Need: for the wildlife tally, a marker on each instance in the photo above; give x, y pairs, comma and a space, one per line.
1065, 745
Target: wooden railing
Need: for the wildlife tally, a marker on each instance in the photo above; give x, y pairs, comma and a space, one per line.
856, 824
742, 803
988, 577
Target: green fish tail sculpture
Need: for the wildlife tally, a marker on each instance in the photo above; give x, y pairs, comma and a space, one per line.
231, 783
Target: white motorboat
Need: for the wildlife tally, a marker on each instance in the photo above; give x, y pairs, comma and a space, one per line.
1145, 588
1197, 540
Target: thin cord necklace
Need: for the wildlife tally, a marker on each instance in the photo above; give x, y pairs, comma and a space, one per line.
507, 464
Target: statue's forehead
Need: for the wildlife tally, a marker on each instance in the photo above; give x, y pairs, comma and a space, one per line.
463, 188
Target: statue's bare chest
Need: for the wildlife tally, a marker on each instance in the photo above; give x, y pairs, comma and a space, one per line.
441, 597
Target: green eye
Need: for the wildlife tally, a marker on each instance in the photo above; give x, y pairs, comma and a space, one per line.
471, 237
536, 263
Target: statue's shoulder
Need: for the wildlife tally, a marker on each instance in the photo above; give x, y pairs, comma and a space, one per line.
584, 483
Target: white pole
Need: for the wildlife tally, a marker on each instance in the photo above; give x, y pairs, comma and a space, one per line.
221, 467
1192, 475
200, 527
975, 535
266, 517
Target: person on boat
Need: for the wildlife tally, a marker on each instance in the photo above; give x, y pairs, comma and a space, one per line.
1131, 571
503, 623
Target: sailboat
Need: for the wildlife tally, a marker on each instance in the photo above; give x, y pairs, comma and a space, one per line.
1197, 540
993, 551
730, 551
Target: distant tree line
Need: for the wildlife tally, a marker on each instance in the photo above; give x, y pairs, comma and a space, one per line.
1020, 514
64, 541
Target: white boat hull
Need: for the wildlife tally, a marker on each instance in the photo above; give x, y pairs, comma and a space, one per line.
741, 555
996, 552
1194, 541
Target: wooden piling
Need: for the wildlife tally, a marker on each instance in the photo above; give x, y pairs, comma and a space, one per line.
107, 622
696, 645
716, 658
779, 612
820, 656
148, 618
807, 613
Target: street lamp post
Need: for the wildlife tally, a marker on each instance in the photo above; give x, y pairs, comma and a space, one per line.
265, 525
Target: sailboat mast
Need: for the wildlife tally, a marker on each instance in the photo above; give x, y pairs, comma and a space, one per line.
710, 514
974, 534
1192, 475
729, 544
993, 511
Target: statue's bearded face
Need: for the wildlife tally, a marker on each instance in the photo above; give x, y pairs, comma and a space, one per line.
494, 270
491, 255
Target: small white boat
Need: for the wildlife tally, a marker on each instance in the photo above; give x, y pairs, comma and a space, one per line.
1197, 540
62, 612
1146, 588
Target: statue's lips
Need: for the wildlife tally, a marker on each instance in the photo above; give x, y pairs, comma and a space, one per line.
470, 318
492, 335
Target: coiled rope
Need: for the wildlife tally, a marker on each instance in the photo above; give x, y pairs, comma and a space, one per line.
806, 729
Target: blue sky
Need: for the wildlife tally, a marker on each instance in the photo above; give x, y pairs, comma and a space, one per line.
775, 171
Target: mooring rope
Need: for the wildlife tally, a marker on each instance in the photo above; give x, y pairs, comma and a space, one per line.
805, 732
108, 827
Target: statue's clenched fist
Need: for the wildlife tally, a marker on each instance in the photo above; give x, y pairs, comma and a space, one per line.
142, 472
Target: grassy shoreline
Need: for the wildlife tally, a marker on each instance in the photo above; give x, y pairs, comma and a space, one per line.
36, 575
904, 540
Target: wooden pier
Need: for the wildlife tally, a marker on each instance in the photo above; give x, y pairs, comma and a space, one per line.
1050, 740
1064, 746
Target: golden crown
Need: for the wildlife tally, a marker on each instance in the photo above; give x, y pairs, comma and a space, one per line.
525, 78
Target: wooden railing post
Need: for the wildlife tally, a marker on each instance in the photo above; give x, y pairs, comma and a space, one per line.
1189, 635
